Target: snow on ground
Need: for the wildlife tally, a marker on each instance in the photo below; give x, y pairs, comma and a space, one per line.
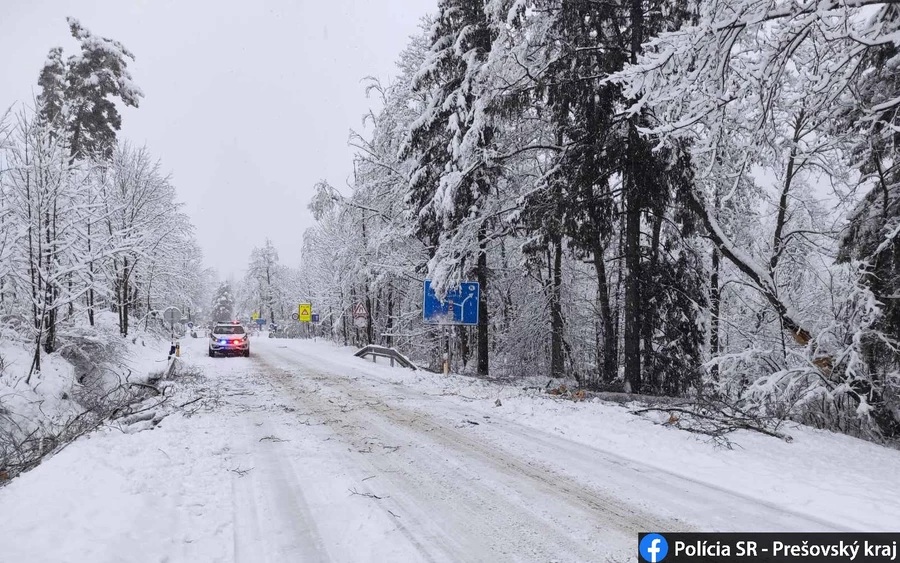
47, 401
305, 453
846, 481
48, 393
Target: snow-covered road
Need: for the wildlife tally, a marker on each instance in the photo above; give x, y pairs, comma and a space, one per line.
302, 453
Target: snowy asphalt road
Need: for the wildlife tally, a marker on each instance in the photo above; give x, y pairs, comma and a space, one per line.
451, 495
448, 490
301, 454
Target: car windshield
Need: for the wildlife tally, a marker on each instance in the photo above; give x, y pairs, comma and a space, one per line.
228, 329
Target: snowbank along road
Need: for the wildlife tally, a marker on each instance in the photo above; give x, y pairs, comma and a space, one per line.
303, 453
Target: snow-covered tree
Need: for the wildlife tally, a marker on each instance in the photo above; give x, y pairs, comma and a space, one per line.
86, 222
77, 94
222, 306
39, 191
662, 196
775, 80
264, 279
449, 142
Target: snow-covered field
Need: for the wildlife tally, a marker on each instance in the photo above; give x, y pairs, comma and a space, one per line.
305, 453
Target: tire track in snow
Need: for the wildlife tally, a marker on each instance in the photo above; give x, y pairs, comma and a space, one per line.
687, 500
273, 523
518, 508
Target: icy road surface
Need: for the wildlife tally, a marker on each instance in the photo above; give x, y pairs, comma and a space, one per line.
303, 453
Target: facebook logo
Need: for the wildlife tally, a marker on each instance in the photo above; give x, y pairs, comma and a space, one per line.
653, 548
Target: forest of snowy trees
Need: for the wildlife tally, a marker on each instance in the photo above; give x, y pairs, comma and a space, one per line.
672, 197
691, 198
88, 222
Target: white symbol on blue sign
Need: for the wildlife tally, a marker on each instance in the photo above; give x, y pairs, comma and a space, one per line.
459, 306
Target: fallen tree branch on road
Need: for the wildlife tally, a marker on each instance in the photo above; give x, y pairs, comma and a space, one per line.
367, 495
717, 418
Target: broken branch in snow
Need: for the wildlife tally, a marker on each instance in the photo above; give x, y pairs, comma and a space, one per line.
367, 495
716, 418
181, 406
272, 438
241, 472
446, 393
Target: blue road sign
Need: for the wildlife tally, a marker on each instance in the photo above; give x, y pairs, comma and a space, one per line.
261, 322
315, 317
459, 306
190, 325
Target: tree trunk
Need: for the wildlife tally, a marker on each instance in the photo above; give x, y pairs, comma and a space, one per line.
465, 351
743, 262
633, 204
482, 275
36, 359
90, 299
50, 324
714, 311
557, 358
127, 301
505, 294
389, 325
632, 345
344, 321
90, 293
608, 358
369, 328
778, 242
653, 382
49, 317
71, 303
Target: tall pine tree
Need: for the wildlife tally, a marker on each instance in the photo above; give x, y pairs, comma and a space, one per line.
78, 94
449, 142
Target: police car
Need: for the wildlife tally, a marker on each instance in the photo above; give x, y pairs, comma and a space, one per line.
229, 339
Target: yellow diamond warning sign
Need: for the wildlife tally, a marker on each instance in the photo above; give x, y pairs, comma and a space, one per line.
304, 314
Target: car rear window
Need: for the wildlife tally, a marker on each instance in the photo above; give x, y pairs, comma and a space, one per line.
228, 330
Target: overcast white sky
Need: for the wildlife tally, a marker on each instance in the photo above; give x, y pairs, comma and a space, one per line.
247, 103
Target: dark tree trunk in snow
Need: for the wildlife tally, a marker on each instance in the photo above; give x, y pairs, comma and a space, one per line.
632, 203
369, 328
757, 274
126, 299
482, 275
649, 315
390, 318
608, 357
714, 311
465, 351
557, 358
632, 344
50, 333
